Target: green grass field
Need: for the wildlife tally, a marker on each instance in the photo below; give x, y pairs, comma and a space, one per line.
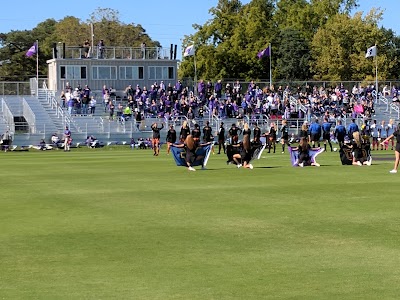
114, 223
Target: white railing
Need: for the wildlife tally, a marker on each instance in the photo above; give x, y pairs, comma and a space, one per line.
297, 104
8, 116
29, 116
395, 107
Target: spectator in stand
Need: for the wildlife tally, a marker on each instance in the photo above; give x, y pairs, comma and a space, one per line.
218, 89
101, 49
178, 88
127, 113
385, 91
85, 100
143, 48
92, 105
86, 48
201, 90
63, 99
237, 91
111, 109
71, 104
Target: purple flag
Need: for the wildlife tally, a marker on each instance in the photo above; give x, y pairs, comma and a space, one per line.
264, 53
32, 50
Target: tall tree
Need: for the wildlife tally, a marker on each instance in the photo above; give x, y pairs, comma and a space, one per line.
338, 48
293, 56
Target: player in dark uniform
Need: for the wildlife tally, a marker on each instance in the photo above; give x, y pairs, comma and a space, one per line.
221, 138
243, 157
207, 134
396, 135
171, 137
272, 138
196, 133
284, 135
326, 133
246, 130
315, 133
185, 131
304, 154
256, 133
340, 133
155, 142
234, 134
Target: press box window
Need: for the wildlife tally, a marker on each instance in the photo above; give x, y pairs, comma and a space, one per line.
73, 72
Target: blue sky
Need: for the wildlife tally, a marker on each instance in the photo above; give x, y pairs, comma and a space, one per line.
165, 21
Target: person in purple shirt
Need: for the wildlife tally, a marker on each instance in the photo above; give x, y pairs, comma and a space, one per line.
201, 90
178, 88
218, 89
67, 139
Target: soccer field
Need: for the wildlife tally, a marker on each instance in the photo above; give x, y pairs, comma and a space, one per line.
115, 223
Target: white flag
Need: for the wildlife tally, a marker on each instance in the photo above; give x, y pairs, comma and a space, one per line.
371, 52
189, 51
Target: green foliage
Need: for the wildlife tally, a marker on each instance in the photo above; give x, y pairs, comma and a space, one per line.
71, 31
317, 39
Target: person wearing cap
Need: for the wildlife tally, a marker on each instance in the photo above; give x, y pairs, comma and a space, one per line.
221, 138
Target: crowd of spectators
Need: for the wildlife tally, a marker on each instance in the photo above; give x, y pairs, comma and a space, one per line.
231, 100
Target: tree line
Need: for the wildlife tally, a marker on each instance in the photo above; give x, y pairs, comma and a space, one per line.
322, 40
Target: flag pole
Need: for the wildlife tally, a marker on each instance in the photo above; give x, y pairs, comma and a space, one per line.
37, 68
195, 74
270, 66
376, 76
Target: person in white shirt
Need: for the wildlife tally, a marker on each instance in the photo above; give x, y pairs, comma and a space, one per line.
92, 105
375, 133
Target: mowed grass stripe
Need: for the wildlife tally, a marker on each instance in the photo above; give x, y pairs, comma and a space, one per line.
117, 223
